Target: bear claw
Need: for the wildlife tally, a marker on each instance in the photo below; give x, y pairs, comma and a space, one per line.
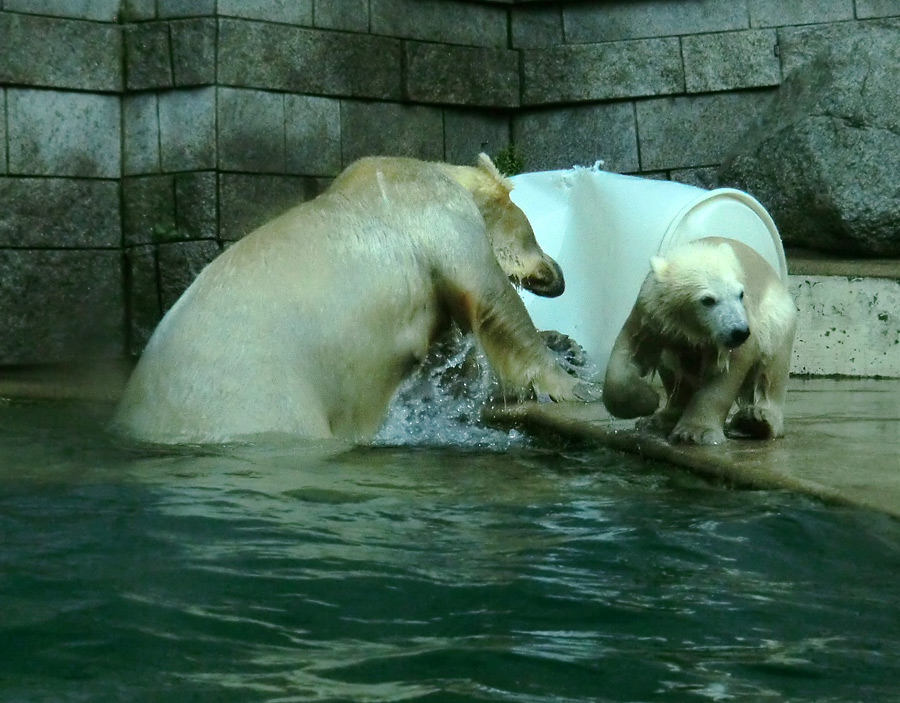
587, 392
696, 435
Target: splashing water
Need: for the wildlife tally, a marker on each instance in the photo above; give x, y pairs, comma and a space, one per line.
441, 404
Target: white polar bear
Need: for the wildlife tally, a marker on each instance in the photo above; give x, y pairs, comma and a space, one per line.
717, 323
308, 325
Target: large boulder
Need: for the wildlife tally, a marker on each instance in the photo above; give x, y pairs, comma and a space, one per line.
825, 157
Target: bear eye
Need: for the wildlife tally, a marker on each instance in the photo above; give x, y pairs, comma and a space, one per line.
708, 300
742, 295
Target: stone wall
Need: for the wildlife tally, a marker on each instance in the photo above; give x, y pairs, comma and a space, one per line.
138, 137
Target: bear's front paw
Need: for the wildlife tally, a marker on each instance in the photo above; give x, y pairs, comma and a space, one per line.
757, 422
587, 392
569, 352
685, 433
568, 388
662, 422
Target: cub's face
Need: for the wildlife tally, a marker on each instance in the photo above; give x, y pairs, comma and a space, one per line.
720, 312
698, 292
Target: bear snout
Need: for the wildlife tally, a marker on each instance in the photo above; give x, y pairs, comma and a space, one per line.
546, 280
737, 337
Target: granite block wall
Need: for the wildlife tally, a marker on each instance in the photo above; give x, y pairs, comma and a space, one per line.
140, 137
695, 74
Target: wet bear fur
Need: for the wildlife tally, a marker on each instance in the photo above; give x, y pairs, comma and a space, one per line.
307, 326
717, 324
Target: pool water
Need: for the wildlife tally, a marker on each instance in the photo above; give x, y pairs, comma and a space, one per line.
492, 569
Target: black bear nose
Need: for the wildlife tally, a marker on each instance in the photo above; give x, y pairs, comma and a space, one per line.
547, 280
738, 336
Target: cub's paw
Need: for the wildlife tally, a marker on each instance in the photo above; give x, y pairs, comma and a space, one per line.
757, 422
637, 399
689, 433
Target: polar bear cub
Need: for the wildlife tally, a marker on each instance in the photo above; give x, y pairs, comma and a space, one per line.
308, 325
714, 319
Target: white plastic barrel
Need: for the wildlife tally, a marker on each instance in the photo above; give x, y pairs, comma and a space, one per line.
602, 228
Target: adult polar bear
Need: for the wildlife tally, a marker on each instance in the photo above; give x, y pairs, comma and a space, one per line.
717, 323
308, 325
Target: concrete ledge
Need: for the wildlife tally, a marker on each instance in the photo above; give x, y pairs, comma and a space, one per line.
849, 323
810, 265
100, 381
842, 443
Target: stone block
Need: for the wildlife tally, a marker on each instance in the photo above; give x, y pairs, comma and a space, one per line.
866, 9
730, 60
140, 122
578, 136
696, 130
194, 51
166, 9
845, 328
778, 13
60, 305
798, 45
59, 53
444, 21
248, 201
59, 213
179, 264
346, 15
187, 126
148, 56
307, 60
148, 209
625, 19
403, 130
655, 175
144, 310
823, 158
169, 207
602, 71
99, 10
3, 131
467, 134
53, 133
537, 27
251, 131
316, 186
704, 177
459, 75
286, 11
196, 205
312, 135
138, 10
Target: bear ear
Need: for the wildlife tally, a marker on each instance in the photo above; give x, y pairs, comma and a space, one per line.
487, 166
659, 266
726, 249
729, 253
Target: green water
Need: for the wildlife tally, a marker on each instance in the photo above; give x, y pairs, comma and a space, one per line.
502, 571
